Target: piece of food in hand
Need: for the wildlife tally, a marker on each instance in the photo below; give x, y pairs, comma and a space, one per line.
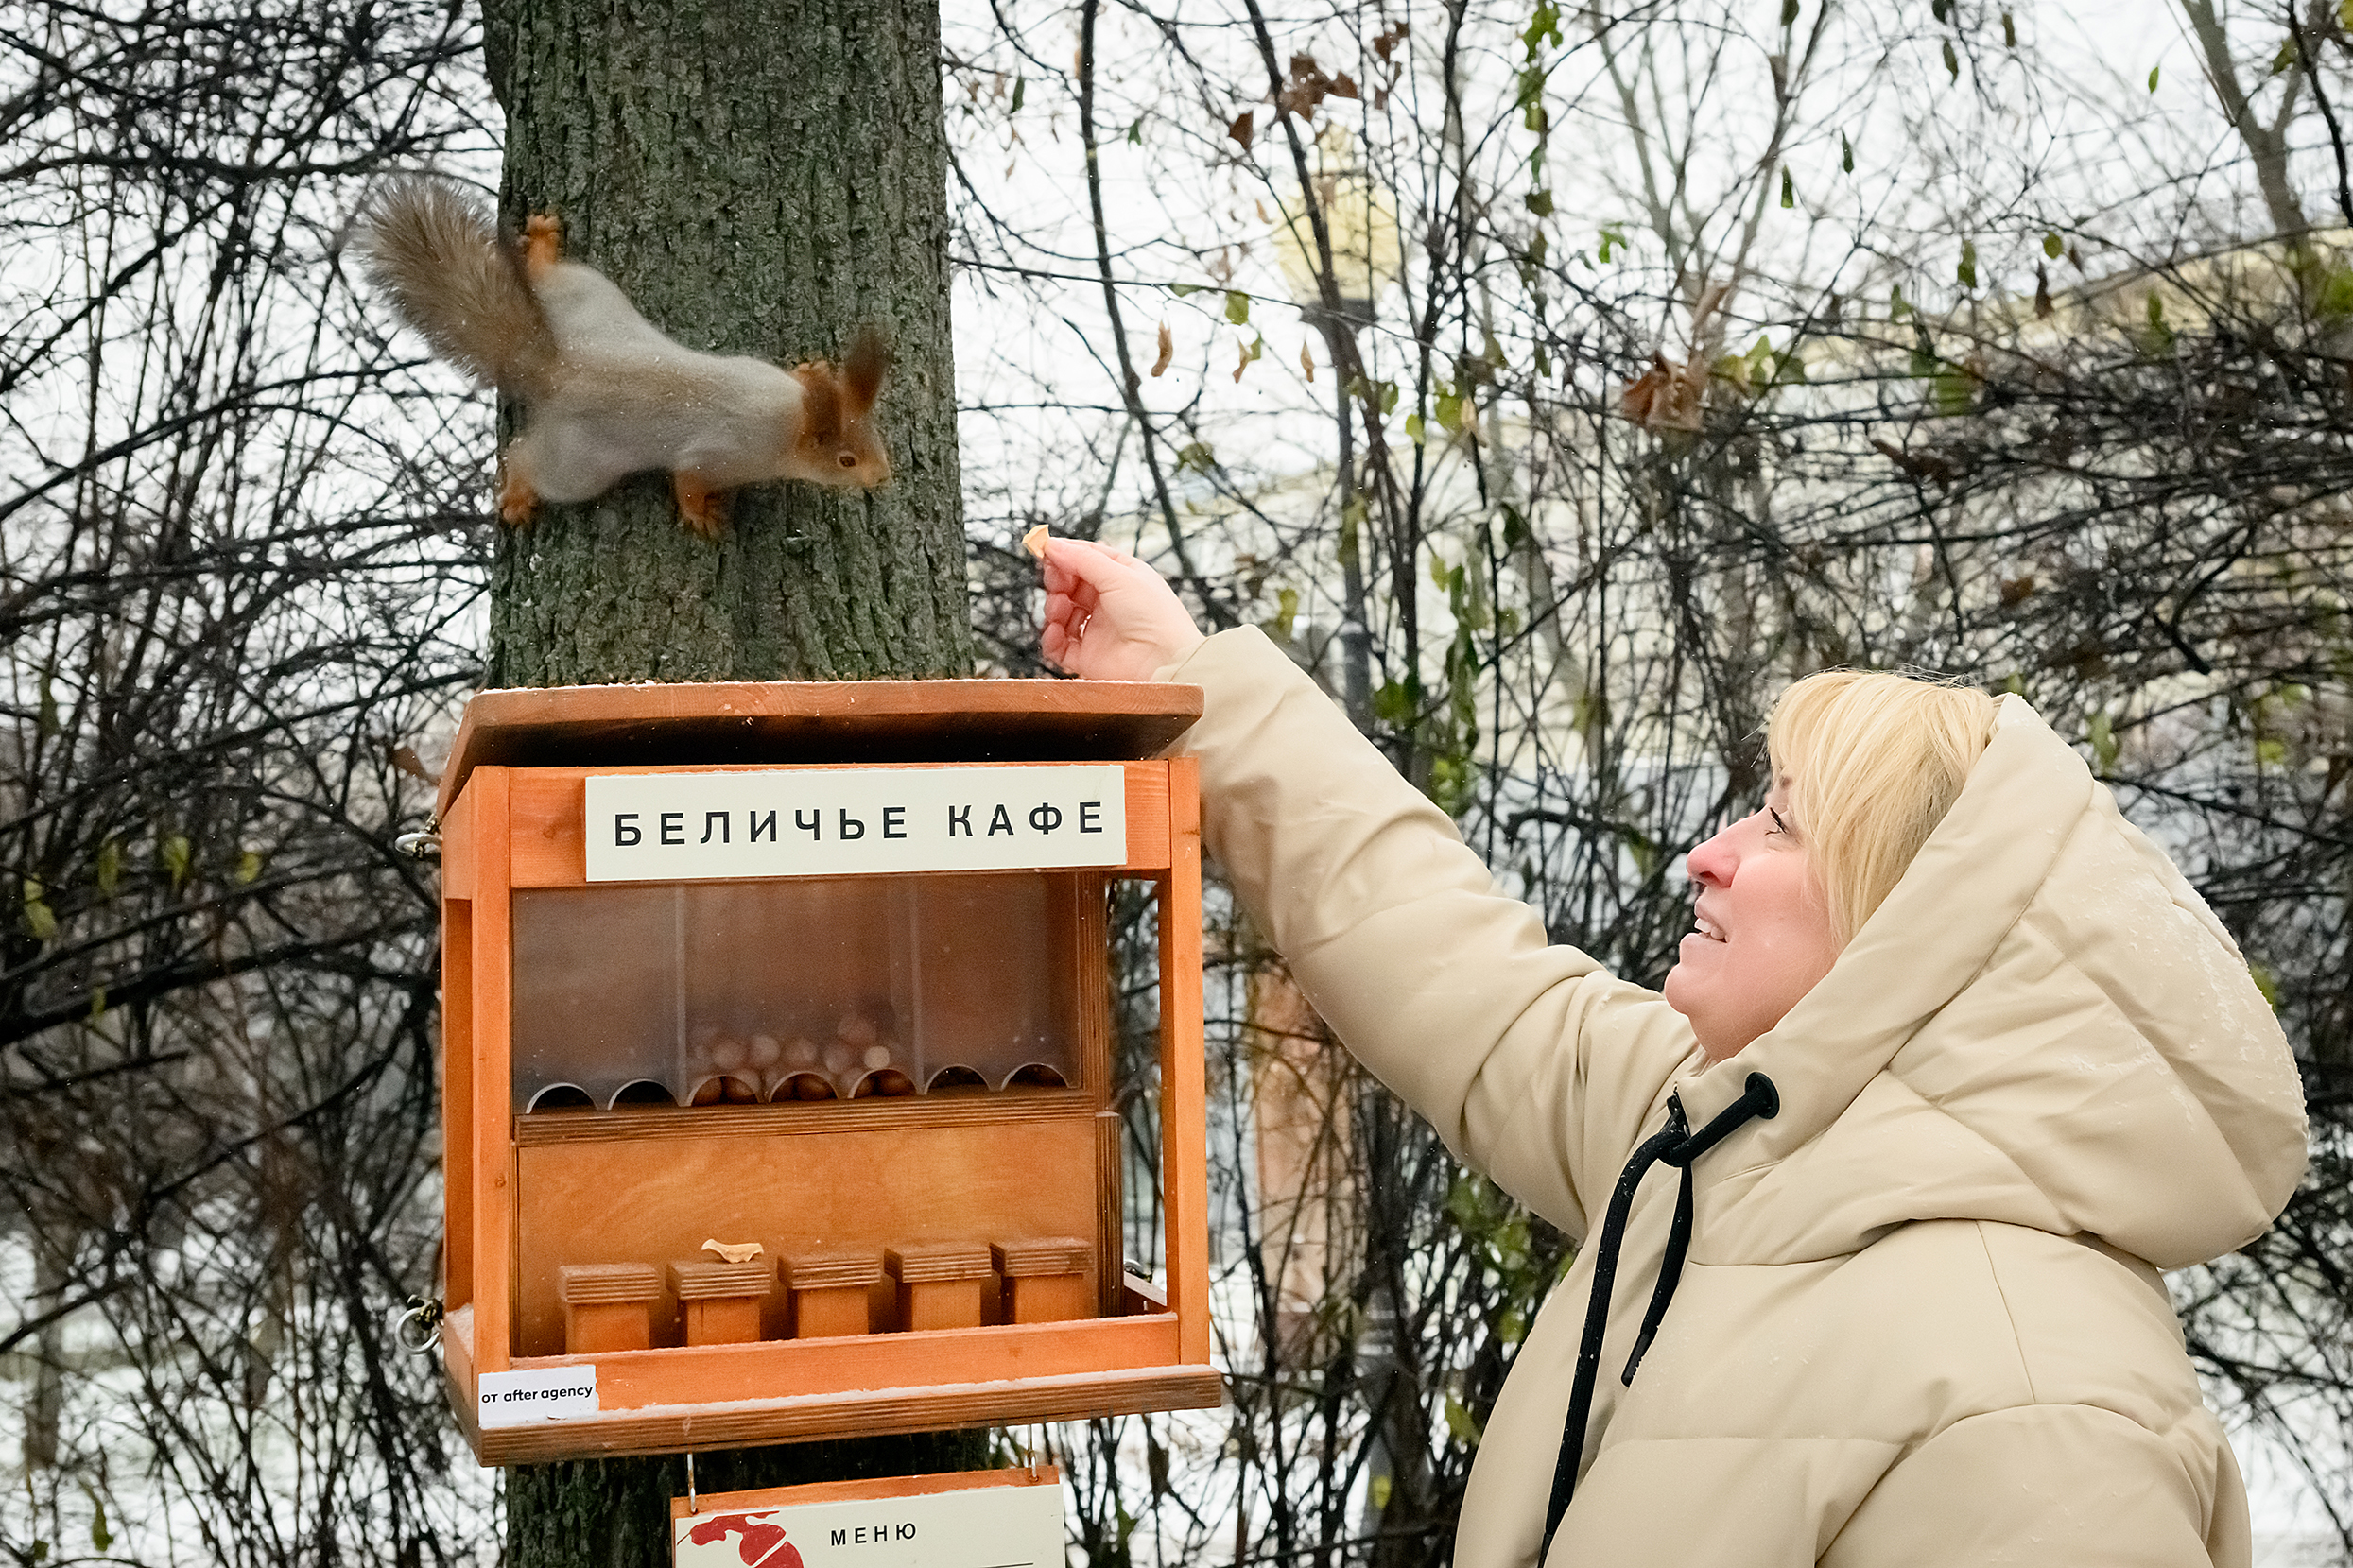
733, 1252
1034, 541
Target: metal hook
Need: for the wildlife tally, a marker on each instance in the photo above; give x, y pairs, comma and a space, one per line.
424, 845
418, 1327
692, 1506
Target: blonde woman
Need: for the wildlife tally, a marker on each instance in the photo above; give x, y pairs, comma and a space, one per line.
1872, 1201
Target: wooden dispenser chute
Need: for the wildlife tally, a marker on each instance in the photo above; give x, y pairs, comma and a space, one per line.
893, 1075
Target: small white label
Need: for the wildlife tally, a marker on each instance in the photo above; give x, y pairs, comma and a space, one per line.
541, 1393
1019, 1526
839, 821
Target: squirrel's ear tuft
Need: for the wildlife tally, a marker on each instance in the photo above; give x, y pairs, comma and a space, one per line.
820, 405
863, 369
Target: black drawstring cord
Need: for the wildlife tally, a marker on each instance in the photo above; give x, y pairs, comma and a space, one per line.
1674, 1144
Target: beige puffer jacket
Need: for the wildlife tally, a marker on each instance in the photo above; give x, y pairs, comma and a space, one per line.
1921, 1323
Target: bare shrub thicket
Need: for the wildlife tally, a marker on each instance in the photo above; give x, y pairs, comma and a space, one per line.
228, 598
1555, 381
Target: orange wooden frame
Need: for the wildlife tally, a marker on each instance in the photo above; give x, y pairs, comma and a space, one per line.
509, 827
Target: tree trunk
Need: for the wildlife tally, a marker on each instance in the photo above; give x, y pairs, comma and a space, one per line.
760, 178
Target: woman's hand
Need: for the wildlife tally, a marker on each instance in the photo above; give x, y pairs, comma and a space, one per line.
1108, 615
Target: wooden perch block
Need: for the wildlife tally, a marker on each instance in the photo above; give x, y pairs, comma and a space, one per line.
829, 1290
607, 1307
941, 1284
721, 1301
1047, 1279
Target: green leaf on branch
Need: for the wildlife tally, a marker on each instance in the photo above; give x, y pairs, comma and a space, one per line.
1021, 91
1543, 27
1414, 428
1394, 705
1182, 290
2153, 78
1789, 13
109, 866
1237, 307
1788, 190
249, 867
1952, 61
1966, 272
1197, 456
2335, 297
1955, 390
176, 858
2054, 245
1135, 132
1461, 1422
1613, 240
2105, 744
2009, 31
1540, 204
1286, 615
1847, 154
40, 920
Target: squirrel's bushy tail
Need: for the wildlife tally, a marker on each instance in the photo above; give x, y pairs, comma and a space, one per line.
437, 254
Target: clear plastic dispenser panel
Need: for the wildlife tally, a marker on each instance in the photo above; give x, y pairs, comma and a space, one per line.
740, 992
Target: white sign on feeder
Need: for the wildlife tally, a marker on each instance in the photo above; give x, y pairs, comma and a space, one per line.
827, 822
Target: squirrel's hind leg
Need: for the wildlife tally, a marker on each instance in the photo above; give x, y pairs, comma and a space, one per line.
543, 245
517, 501
701, 509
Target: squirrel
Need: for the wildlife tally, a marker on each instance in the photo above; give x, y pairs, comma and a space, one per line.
607, 393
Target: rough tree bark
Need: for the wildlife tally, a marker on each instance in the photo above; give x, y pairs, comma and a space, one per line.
760, 177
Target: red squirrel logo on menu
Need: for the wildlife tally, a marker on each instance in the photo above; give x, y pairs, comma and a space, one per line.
763, 1546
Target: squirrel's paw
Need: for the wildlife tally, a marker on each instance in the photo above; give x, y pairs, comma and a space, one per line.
543, 242
517, 501
702, 509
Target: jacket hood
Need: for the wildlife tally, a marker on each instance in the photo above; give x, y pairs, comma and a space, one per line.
2043, 1025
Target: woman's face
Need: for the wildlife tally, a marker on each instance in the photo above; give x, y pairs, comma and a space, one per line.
1762, 934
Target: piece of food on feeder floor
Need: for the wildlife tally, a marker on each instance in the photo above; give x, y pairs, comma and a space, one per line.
733, 1252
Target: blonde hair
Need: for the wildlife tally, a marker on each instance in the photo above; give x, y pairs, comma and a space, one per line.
1872, 763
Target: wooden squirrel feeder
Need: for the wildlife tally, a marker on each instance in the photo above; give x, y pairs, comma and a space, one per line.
824, 968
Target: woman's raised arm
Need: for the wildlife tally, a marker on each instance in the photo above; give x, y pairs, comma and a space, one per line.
1534, 1064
